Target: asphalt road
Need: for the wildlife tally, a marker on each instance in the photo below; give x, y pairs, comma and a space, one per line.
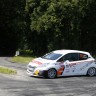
23, 85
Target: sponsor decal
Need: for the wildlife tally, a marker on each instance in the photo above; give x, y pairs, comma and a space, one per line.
85, 62
36, 72
61, 63
85, 66
70, 65
67, 71
37, 62
60, 70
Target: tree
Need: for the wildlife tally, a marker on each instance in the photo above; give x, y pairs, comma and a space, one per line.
64, 23
11, 25
56, 20
88, 33
47, 25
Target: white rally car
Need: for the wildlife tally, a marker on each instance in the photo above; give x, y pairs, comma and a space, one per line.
63, 63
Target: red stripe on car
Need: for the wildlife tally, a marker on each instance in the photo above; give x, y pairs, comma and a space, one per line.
37, 62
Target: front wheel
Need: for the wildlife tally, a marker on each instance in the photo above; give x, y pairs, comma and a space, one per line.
52, 73
91, 71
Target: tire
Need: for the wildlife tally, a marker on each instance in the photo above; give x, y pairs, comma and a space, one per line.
52, 73
91, 71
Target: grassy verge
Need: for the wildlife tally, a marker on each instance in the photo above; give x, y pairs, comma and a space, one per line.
6, 70
22, 59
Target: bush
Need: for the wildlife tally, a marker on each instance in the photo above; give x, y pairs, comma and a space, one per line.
6, 70
26, 52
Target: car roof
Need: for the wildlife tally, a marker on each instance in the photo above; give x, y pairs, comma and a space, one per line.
69, 51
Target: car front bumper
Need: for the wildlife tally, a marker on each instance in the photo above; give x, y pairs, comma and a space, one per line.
38, 73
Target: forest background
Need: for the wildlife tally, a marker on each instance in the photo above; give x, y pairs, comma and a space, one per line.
40, 26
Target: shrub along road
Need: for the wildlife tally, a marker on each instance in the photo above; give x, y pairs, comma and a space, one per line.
23, 85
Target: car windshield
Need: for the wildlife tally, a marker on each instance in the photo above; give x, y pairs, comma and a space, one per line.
51, 56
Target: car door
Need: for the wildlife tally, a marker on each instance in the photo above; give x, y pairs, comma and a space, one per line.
69, 61
83, 64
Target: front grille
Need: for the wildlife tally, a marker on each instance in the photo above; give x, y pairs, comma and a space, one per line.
31, 68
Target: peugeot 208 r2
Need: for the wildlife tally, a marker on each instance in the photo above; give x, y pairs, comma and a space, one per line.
63, 63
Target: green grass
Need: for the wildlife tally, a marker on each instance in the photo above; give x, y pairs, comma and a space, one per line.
22, 59
6, 70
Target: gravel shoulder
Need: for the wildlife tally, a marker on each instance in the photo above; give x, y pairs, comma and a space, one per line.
23, 85
20, 68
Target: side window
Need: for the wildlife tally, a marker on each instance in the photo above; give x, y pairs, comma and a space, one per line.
71, 57
83, 56
61, 59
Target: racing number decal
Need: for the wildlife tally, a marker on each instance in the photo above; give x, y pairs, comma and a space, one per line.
60, 70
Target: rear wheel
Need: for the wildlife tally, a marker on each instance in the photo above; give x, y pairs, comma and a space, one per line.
52, 73
91, 71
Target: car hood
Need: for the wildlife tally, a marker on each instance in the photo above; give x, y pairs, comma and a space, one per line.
40, 61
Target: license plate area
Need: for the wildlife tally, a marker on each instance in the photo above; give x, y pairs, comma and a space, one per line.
31, 69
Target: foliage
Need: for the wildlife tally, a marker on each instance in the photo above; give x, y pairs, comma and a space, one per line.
22, 59
62, 23
46, 25
7, 70
11, 25
26, 52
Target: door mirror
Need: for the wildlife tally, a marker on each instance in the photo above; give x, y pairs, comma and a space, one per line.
66, 62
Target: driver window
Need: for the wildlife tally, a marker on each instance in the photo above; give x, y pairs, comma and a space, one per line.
71, 57
61, 59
